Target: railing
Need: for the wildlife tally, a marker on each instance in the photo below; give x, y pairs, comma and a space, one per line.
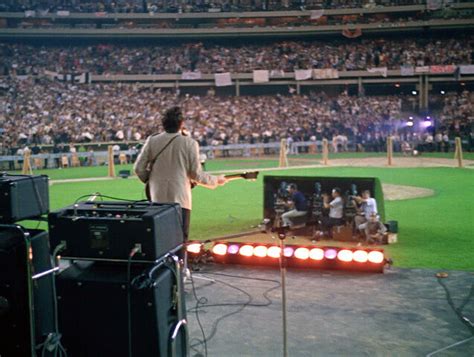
54, 160
221, 15
201, 33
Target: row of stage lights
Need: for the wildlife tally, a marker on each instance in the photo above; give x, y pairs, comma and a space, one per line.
296, 256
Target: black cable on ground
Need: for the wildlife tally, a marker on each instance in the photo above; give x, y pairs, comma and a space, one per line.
242, 305
457, 311
198, 301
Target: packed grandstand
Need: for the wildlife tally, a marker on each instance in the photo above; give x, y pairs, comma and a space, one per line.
353, 88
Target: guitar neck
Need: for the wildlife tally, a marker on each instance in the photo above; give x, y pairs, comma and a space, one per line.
243, 175
233, 177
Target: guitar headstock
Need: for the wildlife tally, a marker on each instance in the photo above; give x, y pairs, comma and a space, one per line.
252, 175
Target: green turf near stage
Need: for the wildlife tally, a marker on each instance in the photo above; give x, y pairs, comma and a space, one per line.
435, 232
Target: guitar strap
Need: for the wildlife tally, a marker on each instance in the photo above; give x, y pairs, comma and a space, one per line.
152, 163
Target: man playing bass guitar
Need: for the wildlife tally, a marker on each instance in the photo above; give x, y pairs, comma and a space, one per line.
169, 164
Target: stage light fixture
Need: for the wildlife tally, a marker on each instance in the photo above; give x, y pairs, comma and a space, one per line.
274, 252
302, 253
288, 252
360, 256
330, 253
345, 255
220, 249
316, 254
194, 248
260, 251
246, 250
361, 259
376, 257
233, 249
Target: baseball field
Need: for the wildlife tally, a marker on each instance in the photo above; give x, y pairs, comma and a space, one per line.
436, 227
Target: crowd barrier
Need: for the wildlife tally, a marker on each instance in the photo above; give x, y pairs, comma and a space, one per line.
111, 156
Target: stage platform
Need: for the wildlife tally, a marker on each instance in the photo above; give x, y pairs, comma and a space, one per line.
403, 312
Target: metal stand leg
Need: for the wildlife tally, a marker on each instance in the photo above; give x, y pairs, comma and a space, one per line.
182, 322
282, 236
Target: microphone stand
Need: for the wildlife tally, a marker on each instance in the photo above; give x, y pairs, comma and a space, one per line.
282, 231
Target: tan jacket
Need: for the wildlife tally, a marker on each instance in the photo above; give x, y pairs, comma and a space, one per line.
177, 165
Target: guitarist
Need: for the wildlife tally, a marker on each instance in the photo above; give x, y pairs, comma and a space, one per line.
169, 162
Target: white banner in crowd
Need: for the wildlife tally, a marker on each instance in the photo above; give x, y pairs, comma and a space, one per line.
277, 73
381, 70
327, 73
466, 69
30, 13
407, 70
443, 69
76, 78
422, 69
316, 14
303, 74
261, 76
223, 79
63, 13
191, 75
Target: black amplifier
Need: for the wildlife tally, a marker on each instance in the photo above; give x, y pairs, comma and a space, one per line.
109, 231
26, 291
23, 196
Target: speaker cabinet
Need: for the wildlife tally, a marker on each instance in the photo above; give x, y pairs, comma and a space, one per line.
92, 300
23, 196
26, 305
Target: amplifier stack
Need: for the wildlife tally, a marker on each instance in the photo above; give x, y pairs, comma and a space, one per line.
118, 290
121, 294
27, 294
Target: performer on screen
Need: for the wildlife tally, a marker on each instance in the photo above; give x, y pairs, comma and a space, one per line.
176, 166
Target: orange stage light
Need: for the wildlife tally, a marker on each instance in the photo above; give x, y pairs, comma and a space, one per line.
220, 249
360, 256
260, 251
194, 248
246, 250
376, 257
302, 253
345, 255
274, 252
316, 254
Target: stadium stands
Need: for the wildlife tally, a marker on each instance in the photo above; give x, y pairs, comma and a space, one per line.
343, 55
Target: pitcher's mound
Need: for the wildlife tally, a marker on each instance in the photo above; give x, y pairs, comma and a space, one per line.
399, 192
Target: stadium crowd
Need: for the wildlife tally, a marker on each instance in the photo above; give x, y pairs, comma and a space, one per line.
215, 57
54, 112
140, 6
42, 112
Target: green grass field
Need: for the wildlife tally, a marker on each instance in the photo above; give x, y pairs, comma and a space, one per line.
434, 232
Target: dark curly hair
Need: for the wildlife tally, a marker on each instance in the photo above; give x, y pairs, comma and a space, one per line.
172, 120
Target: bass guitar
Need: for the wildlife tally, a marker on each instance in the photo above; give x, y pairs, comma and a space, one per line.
252, 175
